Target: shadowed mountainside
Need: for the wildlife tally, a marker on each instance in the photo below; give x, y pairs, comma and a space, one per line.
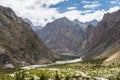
104, 37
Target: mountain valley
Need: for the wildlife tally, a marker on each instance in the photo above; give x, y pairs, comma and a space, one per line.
61, 50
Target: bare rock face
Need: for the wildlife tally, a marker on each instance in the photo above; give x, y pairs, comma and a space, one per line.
106, 34
19, 45
89, 30
112, 55
62, 35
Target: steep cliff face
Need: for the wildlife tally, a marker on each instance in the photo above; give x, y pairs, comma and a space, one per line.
63, 35
106, 34
89, 31
19, 45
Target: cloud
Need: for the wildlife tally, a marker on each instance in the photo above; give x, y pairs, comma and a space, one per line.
89, 14
69, 14
86, 17
33, 9
39, 12
87, 11
90, 4
86, 2
115, 1
113, 9
94, 15
50, 2
71, 8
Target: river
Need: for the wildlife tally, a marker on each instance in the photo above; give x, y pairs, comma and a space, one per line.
57, 62
61, 62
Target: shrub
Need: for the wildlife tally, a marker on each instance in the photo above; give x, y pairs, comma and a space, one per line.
67, 78
43, 77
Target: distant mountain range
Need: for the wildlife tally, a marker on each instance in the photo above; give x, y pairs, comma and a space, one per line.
88, 40
63, 35
85, 24
21, 43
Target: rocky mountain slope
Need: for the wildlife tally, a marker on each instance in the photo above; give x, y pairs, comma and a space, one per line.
19, 45
112, 55
104, 37
62, 35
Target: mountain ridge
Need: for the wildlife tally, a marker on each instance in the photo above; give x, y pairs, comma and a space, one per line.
104, 37
62, 35
19, 45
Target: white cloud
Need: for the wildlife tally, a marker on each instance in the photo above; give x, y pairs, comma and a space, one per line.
73, 14
113, 9
86, 17
94, 15
87, 11
71, 8
33, 9
50, 2
40, 15
90, 4
115, 1
89, 14
87, 2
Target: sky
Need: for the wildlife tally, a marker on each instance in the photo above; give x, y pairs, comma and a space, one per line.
41, 12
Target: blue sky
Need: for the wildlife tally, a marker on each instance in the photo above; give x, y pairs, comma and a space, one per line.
86, 5
41, 12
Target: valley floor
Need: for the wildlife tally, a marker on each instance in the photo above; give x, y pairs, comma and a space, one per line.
83, 70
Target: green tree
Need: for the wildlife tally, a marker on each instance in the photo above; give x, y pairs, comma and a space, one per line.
43, 77
32, 78
20, 76
57, 76
67, 78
